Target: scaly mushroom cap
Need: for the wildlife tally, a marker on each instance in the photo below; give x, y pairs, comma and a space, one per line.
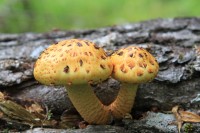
72, 62
134, 65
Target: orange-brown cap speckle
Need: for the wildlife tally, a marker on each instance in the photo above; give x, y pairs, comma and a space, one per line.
72, 61
134, 65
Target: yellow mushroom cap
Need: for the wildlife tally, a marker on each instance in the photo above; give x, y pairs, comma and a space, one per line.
134, 65
72, 62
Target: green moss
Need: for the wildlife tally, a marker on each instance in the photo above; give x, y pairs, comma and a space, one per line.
188, 128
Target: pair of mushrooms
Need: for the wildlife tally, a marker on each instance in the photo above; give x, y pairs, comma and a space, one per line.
77, 63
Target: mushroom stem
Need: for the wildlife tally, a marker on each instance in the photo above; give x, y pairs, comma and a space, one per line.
88, 105
124, 101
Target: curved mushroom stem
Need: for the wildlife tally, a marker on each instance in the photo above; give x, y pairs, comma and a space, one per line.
88, 105
124, 101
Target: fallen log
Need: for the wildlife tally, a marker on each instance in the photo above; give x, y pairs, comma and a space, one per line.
174, 42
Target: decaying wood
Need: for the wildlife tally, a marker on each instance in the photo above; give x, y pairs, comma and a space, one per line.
174, 42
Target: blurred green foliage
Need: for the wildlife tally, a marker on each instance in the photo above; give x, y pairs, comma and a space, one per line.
45, 15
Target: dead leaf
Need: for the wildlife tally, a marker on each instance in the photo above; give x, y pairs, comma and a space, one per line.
184, 116
178, 117
1, 96
34, 108
1, 114
189, 116
14, 112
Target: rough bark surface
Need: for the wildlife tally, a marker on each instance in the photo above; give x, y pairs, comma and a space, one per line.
174, 42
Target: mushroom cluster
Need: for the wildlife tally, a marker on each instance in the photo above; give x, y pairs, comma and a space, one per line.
77, 63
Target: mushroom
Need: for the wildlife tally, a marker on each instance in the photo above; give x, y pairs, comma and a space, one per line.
75, 64
131, 66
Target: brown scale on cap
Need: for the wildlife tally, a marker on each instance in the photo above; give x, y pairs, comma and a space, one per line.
86, 53
66, 69
140, 55
69, 45
81, 62
75, 69
120, 53
103, 57
87, 43
131, 55
134, 65
102, 66
75, 61
90, 53
140, 73
79, 44
131, 65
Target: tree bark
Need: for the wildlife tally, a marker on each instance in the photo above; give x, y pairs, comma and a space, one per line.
174, 42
